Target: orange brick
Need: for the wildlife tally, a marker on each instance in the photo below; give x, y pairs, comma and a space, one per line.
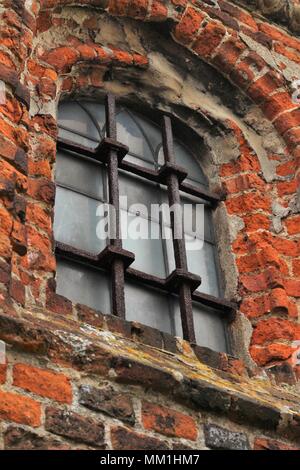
274, 329
159, 12
262, 443
277, 104
46, 383
228, 54
292, 287
189, 25
287, 121
248, 203
273, 352
286, 169
278, 35
20, 409
264, 86
286, 187
296, 267
3, 369
289, 53
137, 8
236, 185
168, 422
256, 222
209, 39
293, 225
244, 163
61, 58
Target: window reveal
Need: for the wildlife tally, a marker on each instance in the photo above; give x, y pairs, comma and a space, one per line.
155, 282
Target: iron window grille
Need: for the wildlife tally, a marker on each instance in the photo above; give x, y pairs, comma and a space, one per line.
117, 261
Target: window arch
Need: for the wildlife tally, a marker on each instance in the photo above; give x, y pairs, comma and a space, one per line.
145, 274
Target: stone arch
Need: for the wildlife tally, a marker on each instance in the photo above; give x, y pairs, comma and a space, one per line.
218, 44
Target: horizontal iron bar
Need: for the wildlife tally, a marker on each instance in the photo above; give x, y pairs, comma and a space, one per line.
138, 170
153, 281
92, 260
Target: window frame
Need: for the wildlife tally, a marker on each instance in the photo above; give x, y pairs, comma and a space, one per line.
117, 261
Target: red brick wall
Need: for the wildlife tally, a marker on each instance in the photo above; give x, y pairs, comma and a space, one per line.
267, 263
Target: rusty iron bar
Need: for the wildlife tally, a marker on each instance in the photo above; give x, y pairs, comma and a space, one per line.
117, 266
105, 259
116, 260
185, 294
100, 155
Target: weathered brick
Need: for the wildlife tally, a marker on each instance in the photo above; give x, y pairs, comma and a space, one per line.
274, 329
292, 287
293, 225
137, 8
248, 202
264, 443
264, 86
282, 373
3, 370
244, 182
75, 427
270, 353
277, 104
296, 267
158, 12
88, 315
17, 291
125, 439
189, 25
61, 58
109, 401
42, 189
58, 303
209, 39
16, 438
245, 410
20, 409
167, 421
217, 437
46, 383
146, 334
228, 54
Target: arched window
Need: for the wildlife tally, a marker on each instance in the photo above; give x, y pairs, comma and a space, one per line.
146, 276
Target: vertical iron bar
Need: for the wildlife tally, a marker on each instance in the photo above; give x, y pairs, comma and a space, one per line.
117, 267
185, 297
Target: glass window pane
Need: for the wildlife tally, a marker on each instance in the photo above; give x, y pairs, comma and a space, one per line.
148, 306
153, 132
77, 139
187, 161
130, 134
140, 193
201, 258
83, 285
167, 235
202, 261
209, 326
74, 118
80, 174
97, 110
143, 238
198, 224
77, 221
139, 161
